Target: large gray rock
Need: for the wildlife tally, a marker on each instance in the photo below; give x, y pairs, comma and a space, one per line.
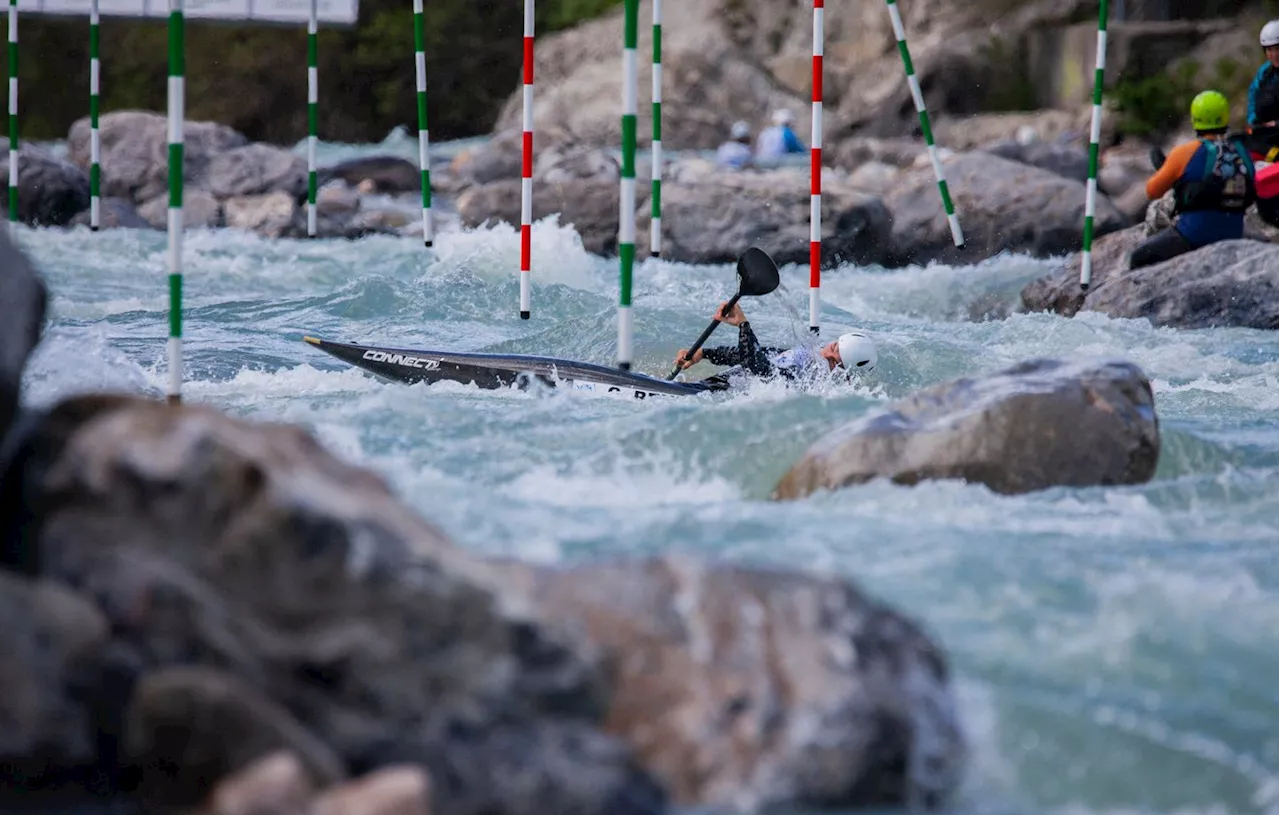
135, 152
386, 174
1065, 160
50, 191
1003, 206
25, 299
589, 205
1035, 425
212, 542
200, 210
709, 216
256, 169
114, 213
1231, 283
750, 689
1060, 292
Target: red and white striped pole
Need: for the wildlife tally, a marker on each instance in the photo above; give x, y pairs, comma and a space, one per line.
526, 166
815, 174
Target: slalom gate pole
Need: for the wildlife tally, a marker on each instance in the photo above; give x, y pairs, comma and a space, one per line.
313, 98
1095, 136
424, 142
815, 173
95, 141
918, 97
526, 167
177, 58
13, 112
655, 222
627, 193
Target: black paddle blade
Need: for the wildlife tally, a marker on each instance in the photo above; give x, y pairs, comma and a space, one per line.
757, 273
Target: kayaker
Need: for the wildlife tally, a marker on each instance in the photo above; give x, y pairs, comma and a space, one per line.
853, 351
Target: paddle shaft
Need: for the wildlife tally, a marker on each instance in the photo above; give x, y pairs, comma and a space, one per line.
733, 301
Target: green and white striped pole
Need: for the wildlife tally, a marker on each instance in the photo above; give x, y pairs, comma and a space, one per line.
95, 144
627, 196
176, 120
1095, 136
918, 97
313, 98
420, 68
655, 222
13, 111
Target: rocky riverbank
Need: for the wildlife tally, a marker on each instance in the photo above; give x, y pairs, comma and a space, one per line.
880, 206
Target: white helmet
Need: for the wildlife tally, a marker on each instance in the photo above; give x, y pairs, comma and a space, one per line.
740, 130
857, 351
783, 116
1270, 34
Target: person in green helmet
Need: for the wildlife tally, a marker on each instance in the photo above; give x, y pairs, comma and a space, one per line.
1212, 178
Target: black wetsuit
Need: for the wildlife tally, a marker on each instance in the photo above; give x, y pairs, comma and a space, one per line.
750, 355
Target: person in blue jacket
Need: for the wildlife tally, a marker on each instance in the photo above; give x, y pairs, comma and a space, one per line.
1264, 95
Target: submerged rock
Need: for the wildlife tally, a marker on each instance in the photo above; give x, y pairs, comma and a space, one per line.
50, 191
388, 174
749, 689
1038, 424
114, 213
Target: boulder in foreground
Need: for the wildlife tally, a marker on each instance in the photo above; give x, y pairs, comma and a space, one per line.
748, 689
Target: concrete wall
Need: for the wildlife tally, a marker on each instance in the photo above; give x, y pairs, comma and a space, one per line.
1060, 61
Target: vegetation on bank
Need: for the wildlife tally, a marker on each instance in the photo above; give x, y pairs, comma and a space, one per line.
254, 78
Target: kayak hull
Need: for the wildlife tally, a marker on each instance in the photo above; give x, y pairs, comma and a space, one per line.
495, 371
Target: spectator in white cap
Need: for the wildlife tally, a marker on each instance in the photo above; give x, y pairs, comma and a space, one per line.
735, 154
779, 140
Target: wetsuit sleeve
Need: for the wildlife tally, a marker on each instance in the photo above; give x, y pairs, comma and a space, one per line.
1174, 166
1254, 87
721, 355
751, 354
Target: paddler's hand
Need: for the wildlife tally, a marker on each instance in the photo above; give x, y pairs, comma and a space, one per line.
684, 352
734, 317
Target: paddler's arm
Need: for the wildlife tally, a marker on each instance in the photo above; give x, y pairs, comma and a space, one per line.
750, 353
1171, 170
721, 355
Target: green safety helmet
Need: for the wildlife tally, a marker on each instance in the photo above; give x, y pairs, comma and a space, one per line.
1210, 111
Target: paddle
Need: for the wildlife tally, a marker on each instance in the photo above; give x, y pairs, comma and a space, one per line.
757, 275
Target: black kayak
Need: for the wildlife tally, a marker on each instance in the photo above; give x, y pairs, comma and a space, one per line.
493, 371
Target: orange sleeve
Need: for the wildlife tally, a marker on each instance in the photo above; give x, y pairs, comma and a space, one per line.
1167, 175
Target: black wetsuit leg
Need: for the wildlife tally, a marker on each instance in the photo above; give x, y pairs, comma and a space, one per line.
1162, 246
